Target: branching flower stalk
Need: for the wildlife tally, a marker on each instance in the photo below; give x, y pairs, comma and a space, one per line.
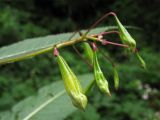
71, 82
126, 38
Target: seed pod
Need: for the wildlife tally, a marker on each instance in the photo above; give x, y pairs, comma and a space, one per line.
143, 64
72, 84
99, 77
125, 36
88, 51
116, 78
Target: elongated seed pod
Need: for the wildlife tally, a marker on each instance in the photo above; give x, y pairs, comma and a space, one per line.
88, 51
125, 36
116, 78
127, 39
101, 81
143, 64
72, 84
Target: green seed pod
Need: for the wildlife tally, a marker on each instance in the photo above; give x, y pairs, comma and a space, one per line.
116, 78
143, 64
125, 36
99, 77
72, 84
88, 51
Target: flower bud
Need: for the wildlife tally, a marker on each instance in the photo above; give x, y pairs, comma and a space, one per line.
116, 78
99, 77
72, 84
88, 51
125, 36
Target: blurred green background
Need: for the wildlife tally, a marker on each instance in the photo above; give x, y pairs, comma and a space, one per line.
138, 96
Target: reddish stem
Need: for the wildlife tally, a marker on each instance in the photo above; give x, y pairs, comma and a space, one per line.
100, 20
109, 32
104, 33
79, 54
94, 46
105, 42
55, 52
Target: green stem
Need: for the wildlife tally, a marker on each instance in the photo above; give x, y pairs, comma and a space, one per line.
89, 87
74, 41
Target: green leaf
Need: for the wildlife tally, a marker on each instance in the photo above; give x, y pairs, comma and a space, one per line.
51, 103
35, 46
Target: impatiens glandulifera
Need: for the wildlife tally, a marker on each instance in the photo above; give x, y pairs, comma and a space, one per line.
71, 83
101, 81
126, 38
124, 34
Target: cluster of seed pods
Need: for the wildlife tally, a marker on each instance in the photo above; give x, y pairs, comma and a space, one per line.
71, 82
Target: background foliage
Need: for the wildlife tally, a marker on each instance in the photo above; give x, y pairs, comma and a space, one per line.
138, 96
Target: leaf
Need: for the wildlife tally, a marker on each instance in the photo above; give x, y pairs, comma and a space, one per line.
35, 46
51, 103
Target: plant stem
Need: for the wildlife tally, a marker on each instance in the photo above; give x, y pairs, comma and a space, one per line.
109, 32
99, 20
105, 42
74, 41
79, 54
71, 42
88, 88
